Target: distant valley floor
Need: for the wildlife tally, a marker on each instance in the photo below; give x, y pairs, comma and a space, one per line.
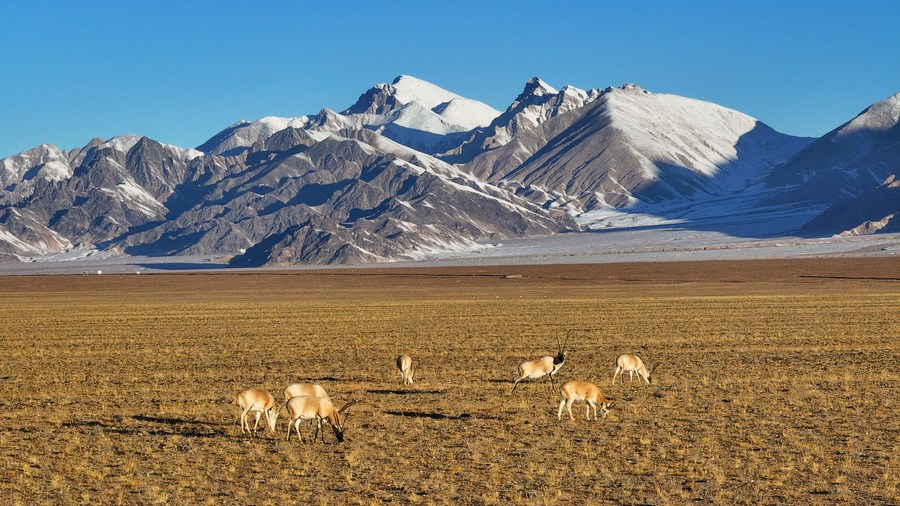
661, 243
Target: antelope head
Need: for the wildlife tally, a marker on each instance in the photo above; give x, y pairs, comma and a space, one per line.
272, 417
339, 422
560, 351
604, 408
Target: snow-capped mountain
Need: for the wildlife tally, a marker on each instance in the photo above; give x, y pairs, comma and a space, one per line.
411, 169
89, 195
359, 197
411, 111
537, 103
853, 158
626, 143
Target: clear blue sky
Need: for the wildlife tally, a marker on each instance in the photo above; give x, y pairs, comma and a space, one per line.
180, 71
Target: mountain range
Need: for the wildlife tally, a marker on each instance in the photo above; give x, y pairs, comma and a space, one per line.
411, 169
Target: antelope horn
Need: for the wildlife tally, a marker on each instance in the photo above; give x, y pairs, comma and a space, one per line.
656, 366
341, 411
610, 404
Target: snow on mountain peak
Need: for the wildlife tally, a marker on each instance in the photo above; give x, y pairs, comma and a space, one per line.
877, 117
411, 89
627, 87
467, 113
536, 87
122, 143
47, 158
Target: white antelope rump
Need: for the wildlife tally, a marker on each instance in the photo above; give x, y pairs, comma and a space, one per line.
305, 407
404, 363
298, 389
632, 364
544, 366
258, 401
578, 390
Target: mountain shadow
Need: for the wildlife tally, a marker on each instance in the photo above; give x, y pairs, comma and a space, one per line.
734, 201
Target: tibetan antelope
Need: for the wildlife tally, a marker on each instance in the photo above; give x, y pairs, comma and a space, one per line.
544, 366
304, 389
578, 390
404, 363
258, 401
632, 364
305, 407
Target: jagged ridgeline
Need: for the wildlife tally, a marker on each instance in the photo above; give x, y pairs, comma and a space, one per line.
411, 170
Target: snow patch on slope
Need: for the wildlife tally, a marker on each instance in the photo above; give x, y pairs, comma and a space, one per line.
51, 163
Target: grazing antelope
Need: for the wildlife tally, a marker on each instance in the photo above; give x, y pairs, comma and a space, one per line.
404, 363
632, 364
304, 389
578, 390
544, 366
306, 407
258, 401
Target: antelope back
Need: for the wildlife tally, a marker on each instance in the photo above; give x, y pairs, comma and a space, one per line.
256, 397
310, 389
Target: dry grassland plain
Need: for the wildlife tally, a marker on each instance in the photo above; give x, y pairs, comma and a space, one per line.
778, 382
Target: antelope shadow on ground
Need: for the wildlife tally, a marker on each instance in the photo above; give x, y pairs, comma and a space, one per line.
440, 416
197, 429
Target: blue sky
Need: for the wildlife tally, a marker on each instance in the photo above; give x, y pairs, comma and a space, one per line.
179, 72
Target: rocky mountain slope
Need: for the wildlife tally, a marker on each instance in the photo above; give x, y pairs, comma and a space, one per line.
851, 159
585, 150
411, 169
875, 211
357, 198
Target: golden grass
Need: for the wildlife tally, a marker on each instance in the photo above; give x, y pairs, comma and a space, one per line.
778, 383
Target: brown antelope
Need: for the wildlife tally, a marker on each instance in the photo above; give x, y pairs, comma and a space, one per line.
404, 363
578, 390
304, 389
631, 364
306, 407
258, 401
544, 366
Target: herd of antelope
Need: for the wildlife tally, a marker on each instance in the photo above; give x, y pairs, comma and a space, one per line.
305, 401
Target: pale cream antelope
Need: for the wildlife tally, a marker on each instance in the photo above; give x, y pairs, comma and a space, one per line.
306, 407
632, 364
404, 363
544, 366
578, 390
310, 389
257, 401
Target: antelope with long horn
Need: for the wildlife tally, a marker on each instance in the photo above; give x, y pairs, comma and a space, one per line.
304, 389
257, 401
632, 364
305, 407
404, 363
578, 390
544, 366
